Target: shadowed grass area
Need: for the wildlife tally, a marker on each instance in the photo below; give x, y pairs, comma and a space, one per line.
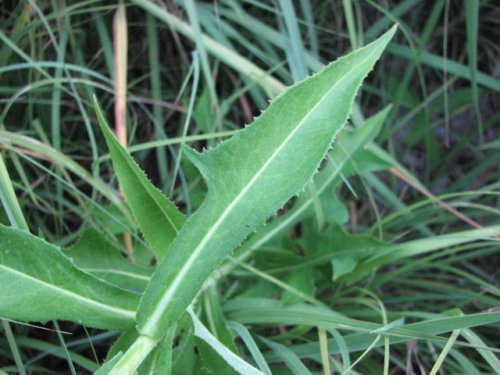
385, 263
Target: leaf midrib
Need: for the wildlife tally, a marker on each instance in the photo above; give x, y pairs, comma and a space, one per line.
117, 272
160, 307
116, 310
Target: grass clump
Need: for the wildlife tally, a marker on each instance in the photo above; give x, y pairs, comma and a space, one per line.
385, 261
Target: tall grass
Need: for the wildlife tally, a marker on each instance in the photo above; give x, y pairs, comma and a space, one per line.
385, 264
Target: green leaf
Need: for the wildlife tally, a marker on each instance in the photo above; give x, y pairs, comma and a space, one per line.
158, 218
349, 145
343, 249
94, 254
39, 284
252, 175
301, 280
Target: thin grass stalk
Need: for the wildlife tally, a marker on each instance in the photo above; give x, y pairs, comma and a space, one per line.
444, 352
192, 99
323, 348
120, 38
155, 83
351, 24
471, 8
120, 51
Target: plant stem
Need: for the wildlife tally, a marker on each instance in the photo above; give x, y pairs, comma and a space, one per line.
134, 356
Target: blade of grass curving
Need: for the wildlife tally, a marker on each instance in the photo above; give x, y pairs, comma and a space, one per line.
342, 347
244, 170
251, 345
452, 67
488, 355
31, 290
444, 352
56, 65
46, 152
54, 350
294, 364
232, 359
212, 314
368, 350
13, 347
178, 140
268, 312
192, 99
65, 348
422, 246
158, 218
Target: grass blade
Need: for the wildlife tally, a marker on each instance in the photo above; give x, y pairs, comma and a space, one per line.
471, 9
232, 359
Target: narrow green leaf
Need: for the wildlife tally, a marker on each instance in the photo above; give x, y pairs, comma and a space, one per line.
292, 361
8, 198
232, 359
487, 354
452, 67
158, 218
293, 40
39, 284
471, 8
251, 345
284, 145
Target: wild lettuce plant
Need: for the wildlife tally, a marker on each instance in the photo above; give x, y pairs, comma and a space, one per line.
249, 177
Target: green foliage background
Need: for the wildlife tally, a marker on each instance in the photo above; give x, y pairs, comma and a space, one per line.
387, 260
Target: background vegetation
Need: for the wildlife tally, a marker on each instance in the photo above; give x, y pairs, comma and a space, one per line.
406, 232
